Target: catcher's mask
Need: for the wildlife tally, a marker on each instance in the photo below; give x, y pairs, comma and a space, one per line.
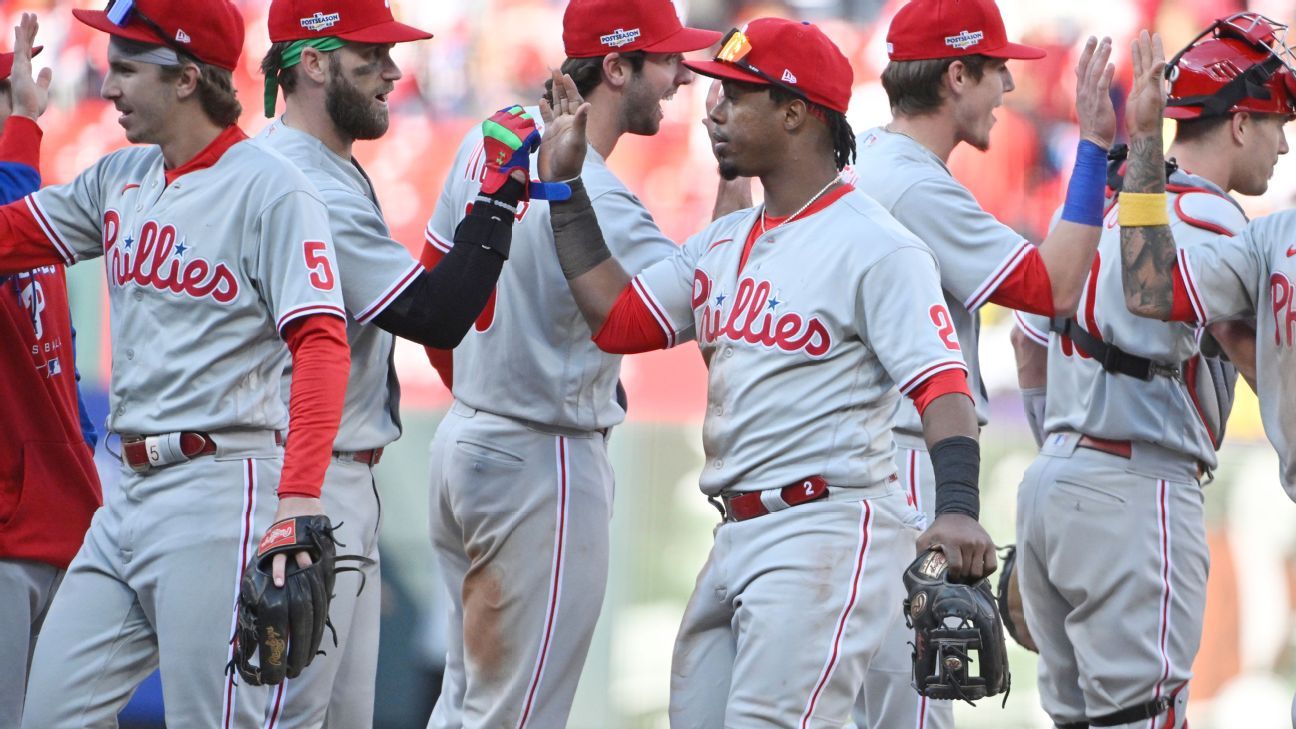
1239, 63
956, 630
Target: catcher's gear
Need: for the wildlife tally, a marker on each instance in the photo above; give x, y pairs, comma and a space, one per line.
283, 626
1244, 65
1010, 601
509, 137
954, 625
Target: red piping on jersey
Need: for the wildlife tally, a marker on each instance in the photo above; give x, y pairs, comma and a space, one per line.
280, 690
46, 230
630, 328
1182, 190
655, 308
245, 541
997, 277
1163, 628
385, 300
771, 223
555, 587
861, 557
1186, 304
1040, 338
930, 371
210, 155
1027, 287
1191, 368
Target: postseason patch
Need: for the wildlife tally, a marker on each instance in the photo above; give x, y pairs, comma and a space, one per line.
620, 37
319, 21
965, 39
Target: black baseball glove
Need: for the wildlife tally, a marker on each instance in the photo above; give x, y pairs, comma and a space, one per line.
1010, 601
282, 627
955, 626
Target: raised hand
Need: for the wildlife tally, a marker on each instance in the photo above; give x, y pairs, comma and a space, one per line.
1094, 107
30, 96
1147, 97
562, 150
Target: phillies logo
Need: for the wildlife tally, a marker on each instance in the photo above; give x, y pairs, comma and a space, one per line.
33, 297
158, 261
753, 318
1282, 293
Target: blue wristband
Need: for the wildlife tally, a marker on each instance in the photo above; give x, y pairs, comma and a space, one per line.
1084, 200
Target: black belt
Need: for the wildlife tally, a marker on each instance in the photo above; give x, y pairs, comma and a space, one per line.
1111, 357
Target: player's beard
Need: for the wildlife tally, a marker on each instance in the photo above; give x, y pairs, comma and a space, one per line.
355, 115
729, 170
642, 107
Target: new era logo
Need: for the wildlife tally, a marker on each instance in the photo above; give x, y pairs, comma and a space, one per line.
788, 77
320, 21
620, 37
183, 37
964, 39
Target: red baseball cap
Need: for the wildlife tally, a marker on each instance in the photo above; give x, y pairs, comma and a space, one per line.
6, 62
929, 29
209, 30
361, 21
779, 52
593, 28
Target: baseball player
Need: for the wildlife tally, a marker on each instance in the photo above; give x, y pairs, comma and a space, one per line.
819, 297
521, 486
947, 74
48, 484
332, 59
1110, 526
217, 254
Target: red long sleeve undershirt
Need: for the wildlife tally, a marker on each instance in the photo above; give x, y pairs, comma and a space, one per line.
1028, 288
321, 364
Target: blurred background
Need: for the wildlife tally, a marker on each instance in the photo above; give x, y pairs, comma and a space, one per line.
490, 53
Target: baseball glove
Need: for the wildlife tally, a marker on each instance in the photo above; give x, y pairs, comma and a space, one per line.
955, 626
282, 627
1010, 601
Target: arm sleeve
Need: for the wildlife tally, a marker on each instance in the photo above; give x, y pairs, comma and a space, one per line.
977, 253
630, 231
902, 317
667, 290
1027, 287
321, 363
942, 383
630, 327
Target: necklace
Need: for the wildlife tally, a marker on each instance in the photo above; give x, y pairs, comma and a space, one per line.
802, 209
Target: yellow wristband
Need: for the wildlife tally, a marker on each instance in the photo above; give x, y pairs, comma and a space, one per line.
1142, 209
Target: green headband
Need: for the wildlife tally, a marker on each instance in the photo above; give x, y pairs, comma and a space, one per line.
291, 57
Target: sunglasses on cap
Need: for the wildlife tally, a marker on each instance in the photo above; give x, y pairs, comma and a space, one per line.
734, 49
121, 12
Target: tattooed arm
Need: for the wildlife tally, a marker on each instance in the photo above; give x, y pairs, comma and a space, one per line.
1147, 252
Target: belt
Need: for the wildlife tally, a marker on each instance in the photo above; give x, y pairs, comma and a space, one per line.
143, 452
752, 504
1121, 448
369, 457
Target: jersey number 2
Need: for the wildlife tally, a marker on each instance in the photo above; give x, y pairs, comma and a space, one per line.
940, 316
321, 268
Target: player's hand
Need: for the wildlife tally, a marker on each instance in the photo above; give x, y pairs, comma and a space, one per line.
1147, 97
967, 547
30, 96
1094, 107
291, 506
562, 150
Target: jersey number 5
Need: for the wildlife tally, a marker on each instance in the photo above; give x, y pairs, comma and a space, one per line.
321, 268
940, 316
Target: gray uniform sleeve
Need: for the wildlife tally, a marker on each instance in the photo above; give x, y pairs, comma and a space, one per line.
630, 231
375, 268
667, 289
295, 268
1222, 275
71, 216
975, 250
902, 317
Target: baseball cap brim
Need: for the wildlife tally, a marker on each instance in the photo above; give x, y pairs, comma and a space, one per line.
390, 32
1017, 51
684, 40
134, 30
725, 71
6, 62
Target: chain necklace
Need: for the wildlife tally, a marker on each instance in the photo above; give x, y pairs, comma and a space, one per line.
791, 217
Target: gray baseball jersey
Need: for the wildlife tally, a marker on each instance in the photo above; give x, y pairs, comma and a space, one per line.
977, 253
560, 377
1254, 274
841, 326
1085, 398
375, 269
197, 300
